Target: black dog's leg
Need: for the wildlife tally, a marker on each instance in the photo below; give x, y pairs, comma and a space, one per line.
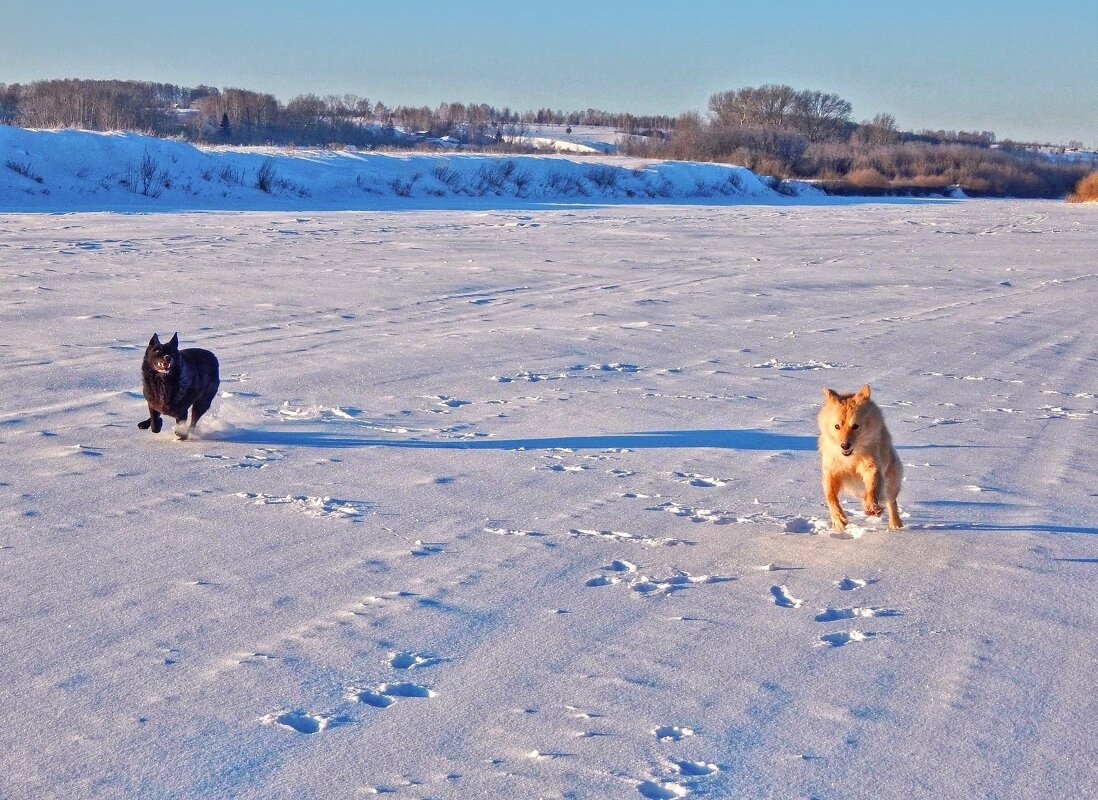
180, 432
152, 422
200, 407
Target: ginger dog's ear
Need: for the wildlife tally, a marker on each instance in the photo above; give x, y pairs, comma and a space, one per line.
831, 394
863, 394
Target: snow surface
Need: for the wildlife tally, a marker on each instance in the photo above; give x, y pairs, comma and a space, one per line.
518, 504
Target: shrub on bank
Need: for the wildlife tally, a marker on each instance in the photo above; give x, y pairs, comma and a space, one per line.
1086, 191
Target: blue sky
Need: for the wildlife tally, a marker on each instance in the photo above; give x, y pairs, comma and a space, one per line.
1023, 70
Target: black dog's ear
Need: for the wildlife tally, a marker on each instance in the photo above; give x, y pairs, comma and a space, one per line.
155, 341
174, 343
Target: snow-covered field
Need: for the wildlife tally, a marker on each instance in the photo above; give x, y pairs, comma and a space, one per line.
520, 504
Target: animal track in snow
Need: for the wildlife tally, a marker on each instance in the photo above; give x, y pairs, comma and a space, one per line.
809, 525
386, 694
299, 721
701, 481
257, 459
695, 514
530, 377
352, 510
622, 536
622, 473
645, 585
513, 532
716, 517
695, 769
450, 402
85, 450
615, 367
834, 614
796, 366
577, 713
672, 733
423, 548
410, 660
840, 638
602, 580
318, 412
783, 598
777, 568
955, 377
1059, 412
573, 468
853, 584
852, 531
538, 755
681, 580
371, 698
461, 431
667, 790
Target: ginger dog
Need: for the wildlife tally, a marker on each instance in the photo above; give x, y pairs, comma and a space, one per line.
857, 455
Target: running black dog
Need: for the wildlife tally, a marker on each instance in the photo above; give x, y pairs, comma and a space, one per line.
174, 380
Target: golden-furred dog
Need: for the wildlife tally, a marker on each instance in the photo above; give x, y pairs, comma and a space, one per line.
857, 455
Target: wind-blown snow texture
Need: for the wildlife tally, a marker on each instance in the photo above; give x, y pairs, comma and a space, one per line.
526, 504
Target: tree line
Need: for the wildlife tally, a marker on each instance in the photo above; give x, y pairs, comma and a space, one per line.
778, 130
773, 129
243, 116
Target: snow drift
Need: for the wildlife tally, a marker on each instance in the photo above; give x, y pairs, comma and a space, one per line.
72, 170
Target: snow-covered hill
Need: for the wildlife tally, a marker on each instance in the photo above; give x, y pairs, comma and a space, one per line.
68, 170
572, 138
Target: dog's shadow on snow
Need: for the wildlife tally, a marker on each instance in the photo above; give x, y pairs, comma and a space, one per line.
747, 439
725, 439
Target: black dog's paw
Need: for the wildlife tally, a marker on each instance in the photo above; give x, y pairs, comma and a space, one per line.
145, 425
157, 425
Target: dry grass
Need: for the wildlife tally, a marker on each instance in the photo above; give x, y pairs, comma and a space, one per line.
1086, 191
930, 181
867, 178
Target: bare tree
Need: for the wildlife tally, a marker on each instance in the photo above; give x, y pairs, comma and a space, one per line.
820, 115
881, 130
765, 106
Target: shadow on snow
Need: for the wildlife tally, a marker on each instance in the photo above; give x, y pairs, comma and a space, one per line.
749, 439
726, 439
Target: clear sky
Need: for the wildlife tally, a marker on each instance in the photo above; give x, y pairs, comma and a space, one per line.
1024, 70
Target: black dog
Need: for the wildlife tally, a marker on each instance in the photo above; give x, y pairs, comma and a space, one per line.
174, 380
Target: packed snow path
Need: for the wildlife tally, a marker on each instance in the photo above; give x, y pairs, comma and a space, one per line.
526, 504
